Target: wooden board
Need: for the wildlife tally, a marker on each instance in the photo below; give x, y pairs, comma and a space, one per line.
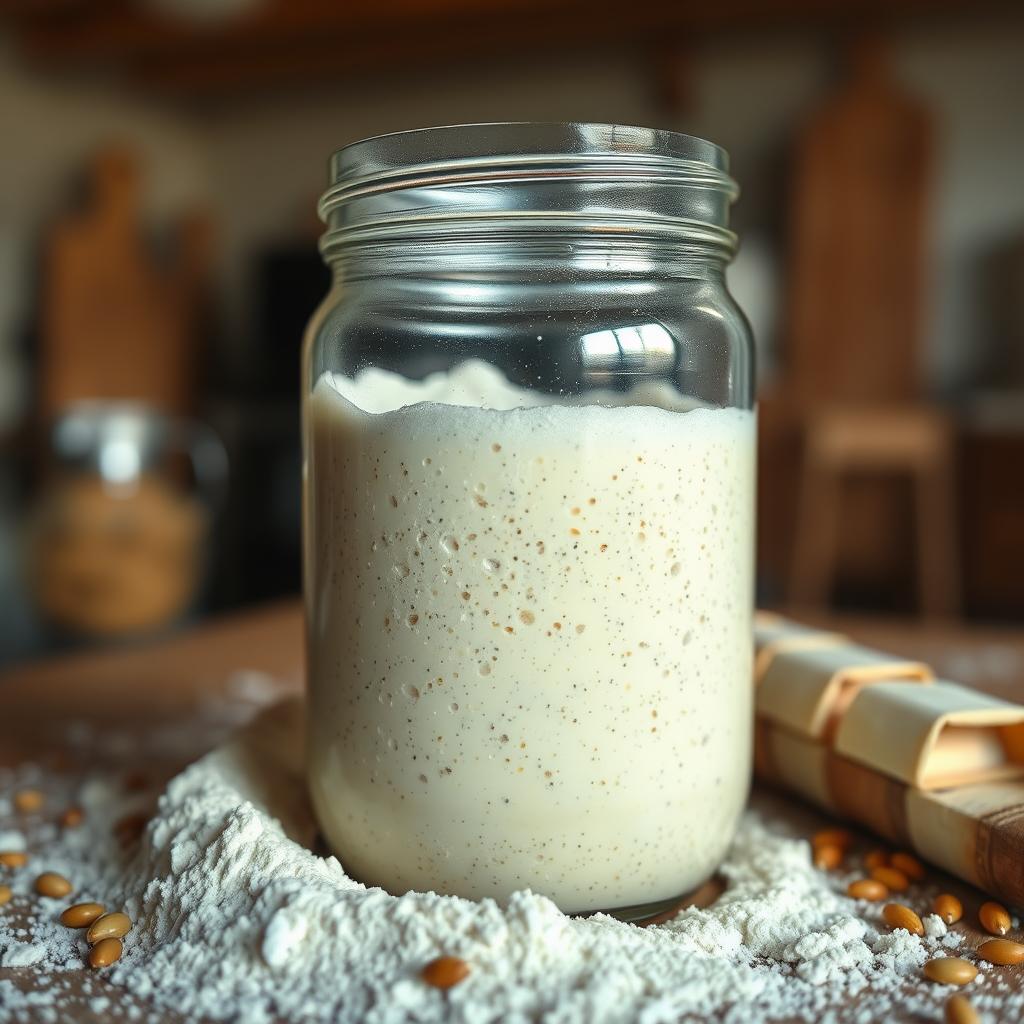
309, 41
117, 323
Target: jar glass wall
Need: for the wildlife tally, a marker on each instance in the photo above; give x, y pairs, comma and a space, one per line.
529, 469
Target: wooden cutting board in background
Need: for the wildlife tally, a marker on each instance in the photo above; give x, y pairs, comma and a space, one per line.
117, 323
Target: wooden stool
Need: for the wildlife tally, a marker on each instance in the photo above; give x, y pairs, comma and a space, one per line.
914, 440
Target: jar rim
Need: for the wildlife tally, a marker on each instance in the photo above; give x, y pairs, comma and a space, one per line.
442, 143
529, 171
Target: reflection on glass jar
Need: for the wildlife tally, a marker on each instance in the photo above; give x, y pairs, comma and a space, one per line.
529, 459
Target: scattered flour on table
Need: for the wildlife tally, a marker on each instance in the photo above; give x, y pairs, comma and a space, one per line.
236, 920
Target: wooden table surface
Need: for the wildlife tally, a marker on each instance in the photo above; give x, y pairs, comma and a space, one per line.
143, 688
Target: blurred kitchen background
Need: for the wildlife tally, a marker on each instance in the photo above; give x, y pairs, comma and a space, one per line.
159, 165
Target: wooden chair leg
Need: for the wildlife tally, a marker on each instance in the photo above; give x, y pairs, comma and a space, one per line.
938, 571
816, 535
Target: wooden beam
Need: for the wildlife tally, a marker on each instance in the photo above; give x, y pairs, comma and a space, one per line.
293, 41
20, 18
38, 9
346, 56
469, 41
138, 31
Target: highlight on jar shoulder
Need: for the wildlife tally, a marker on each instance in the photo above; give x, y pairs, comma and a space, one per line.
529, 447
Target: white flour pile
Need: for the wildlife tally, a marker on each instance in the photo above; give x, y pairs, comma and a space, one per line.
237, 920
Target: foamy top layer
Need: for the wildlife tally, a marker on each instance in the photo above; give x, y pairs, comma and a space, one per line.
477, 384
476, 399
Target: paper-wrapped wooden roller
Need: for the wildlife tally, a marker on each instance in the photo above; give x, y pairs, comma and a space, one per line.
933, 737
936, 767
808, 689
976, 832
773, 635
793, 762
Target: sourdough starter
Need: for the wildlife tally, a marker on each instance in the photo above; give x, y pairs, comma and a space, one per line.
530, 660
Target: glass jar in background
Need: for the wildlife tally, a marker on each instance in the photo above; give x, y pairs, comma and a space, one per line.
121, 524
529, 503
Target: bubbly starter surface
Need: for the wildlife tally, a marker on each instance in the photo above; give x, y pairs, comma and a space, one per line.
530, 652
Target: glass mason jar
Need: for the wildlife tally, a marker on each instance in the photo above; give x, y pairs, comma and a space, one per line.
529, 502
121, 528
